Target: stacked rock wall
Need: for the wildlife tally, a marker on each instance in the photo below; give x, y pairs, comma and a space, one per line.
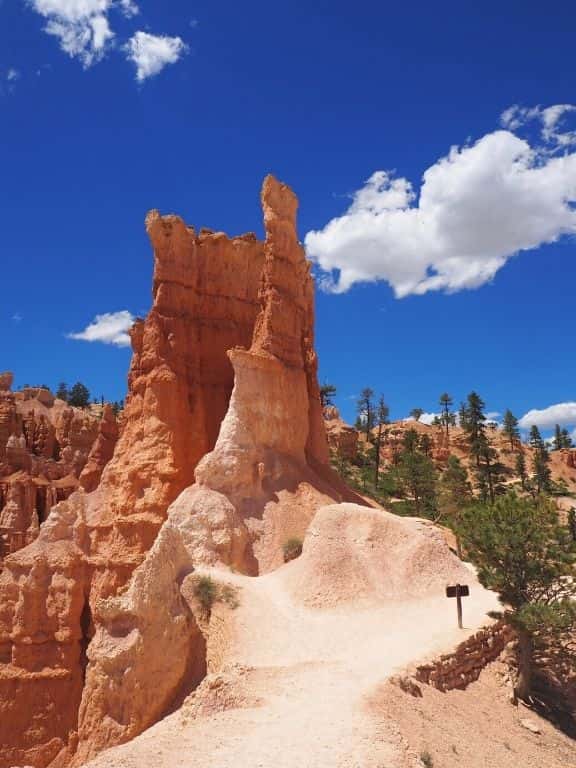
459, 669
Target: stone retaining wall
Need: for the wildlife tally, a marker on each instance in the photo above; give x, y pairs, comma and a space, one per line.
464, 665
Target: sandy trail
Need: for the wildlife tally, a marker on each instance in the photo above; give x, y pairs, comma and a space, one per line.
301, 677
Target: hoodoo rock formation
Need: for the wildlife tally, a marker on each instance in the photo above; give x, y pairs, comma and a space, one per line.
44, 447
222, 457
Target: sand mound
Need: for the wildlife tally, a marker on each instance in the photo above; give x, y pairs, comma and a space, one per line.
352, 553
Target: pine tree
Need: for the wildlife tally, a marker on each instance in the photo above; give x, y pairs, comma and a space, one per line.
410, 441
327, 395
455, 494
365, 408
425, 445
566, 439
417, 478
510, 429
382, 414
62, 392
524, 554
79, 396
542, 473
417, 413
521, 468
488, 470
558, 442
446, 416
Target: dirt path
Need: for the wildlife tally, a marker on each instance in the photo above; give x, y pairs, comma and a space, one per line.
294, 683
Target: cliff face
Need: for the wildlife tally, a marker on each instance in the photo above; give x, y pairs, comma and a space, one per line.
222, 390
44, 446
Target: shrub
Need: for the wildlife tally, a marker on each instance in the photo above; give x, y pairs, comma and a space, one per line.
206, 592
292, 549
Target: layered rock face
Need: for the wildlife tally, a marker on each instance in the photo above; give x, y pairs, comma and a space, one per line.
222, 391
44, 446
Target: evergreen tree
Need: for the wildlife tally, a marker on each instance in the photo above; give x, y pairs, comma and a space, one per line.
566, 439
524, 554
382, 414
521, 469
62, 392
485, 457
410, 441
327, 394
542, 476
417, 478
455, 494
510, 429
447, 418
79, 396
558, 438
425, 444
542, 473
366, 413
417, 413
463, 415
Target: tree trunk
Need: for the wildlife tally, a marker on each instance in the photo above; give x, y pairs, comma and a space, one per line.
525, 655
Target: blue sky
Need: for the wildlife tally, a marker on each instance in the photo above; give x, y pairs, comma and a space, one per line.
110, 108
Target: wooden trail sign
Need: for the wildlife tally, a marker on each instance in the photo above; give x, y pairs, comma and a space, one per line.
458, 591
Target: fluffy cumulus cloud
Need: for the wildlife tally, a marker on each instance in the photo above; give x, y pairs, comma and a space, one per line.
476, 208
81, 26
151, 53
426, 418
109, 328
563, 414
84, 31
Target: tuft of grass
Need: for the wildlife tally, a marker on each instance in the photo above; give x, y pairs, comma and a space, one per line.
292, 549
206, 592
426, 759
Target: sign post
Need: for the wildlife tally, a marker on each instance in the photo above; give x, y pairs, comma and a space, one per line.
458, 591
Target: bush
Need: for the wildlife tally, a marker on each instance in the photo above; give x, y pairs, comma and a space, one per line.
292, 549
206, 592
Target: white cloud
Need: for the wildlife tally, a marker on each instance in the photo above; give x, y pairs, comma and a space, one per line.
12, 75
549, 118
477, 207
151, 53
426, 418
109, 328
82, 26
561, 413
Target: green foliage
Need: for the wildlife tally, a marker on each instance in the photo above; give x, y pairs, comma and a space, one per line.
417, 413
206, 592
523, 553
62, 391
521, 469
292, 549
510, 429
79, 396
417, 478
488, 469
366, 411
521, 550
562, 439
327, 394
446, 419
455, 492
